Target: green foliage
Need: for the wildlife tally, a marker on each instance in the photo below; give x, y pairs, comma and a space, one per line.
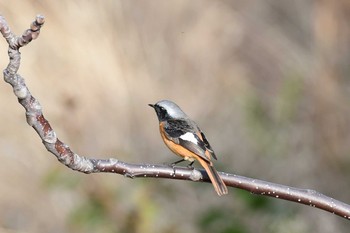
220, 221
91, 214
288, 99
259, 122
268, 121
253, 202
59, 178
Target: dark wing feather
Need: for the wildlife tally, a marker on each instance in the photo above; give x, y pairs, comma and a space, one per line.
175, 128
207, 145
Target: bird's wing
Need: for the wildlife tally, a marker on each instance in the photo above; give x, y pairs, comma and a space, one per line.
207, 145
180, 132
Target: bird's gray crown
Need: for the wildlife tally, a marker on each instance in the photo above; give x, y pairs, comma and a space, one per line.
172, 109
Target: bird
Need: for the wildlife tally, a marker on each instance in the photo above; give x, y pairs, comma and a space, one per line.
184, 138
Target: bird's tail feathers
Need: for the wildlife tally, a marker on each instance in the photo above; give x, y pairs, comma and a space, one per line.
215, 178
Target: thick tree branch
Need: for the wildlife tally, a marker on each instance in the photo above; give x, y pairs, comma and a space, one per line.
79, 163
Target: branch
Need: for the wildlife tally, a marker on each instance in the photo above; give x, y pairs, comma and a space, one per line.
80, 163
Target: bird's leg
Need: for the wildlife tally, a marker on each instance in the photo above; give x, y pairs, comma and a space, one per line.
176, 162
191, 165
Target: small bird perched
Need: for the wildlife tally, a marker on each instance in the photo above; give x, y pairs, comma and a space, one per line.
183, 137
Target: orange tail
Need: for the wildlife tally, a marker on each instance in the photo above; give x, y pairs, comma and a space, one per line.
216, 180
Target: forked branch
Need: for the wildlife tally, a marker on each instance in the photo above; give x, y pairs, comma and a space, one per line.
80, 163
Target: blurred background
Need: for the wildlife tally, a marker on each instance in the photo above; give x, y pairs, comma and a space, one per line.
267, 81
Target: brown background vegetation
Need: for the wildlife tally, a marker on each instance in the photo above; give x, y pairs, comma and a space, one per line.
267, 81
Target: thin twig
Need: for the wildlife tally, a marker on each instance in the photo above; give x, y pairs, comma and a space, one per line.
79, 163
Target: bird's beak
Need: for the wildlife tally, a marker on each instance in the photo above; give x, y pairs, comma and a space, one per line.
151, 105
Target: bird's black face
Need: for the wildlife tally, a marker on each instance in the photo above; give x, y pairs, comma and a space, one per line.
161, 112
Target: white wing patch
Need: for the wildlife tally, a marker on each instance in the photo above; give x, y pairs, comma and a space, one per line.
189, 137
